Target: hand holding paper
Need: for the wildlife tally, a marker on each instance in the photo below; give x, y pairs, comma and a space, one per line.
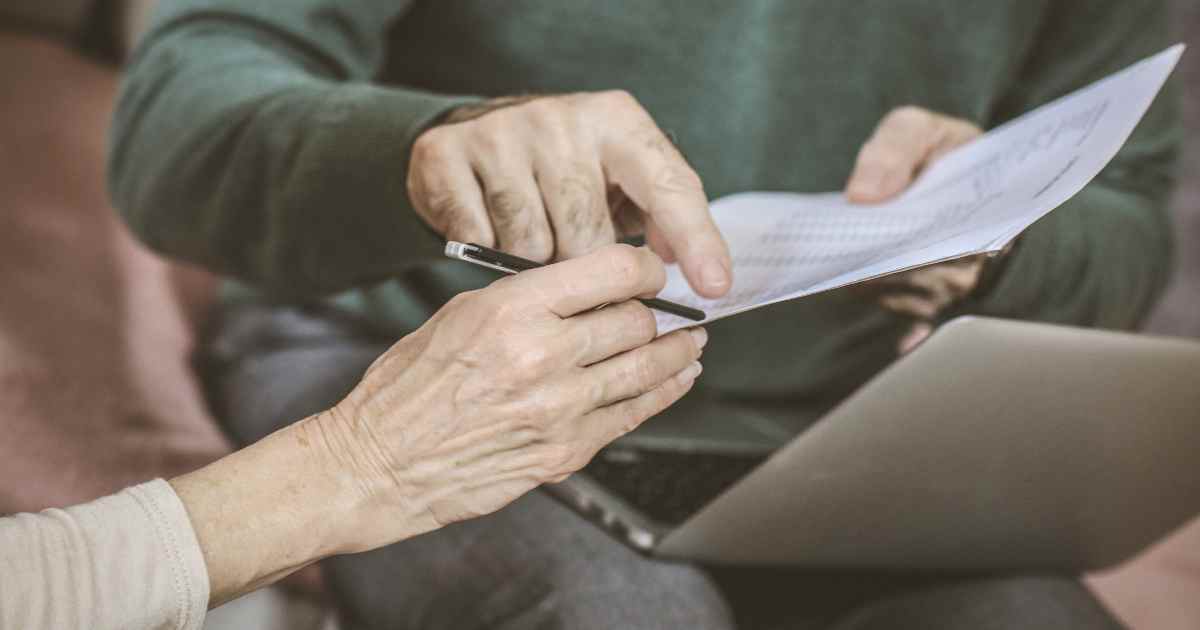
907, 141
974, 200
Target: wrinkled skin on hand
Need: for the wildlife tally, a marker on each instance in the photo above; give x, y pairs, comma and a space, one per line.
553, 177
507, 388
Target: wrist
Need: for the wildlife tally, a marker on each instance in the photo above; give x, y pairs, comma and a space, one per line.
341, 496
265, 511
376, 507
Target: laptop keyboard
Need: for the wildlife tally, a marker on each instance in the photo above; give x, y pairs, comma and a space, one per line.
669, 487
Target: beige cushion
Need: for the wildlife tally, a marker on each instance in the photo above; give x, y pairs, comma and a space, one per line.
96, 389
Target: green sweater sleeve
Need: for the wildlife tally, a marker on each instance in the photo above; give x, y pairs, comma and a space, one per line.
1104, 257
249, 139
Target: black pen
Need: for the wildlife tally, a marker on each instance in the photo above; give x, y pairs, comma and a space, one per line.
492, 259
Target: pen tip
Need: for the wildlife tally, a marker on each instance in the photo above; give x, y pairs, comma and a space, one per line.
454, 249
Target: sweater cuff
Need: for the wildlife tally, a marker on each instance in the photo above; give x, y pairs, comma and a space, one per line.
365, 134
180, 550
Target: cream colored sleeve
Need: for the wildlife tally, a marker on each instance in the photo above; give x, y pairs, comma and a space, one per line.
128, 561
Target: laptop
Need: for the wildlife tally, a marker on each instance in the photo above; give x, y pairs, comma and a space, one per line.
995, 445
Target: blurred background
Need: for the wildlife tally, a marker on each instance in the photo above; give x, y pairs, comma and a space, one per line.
96, 333
1179, 313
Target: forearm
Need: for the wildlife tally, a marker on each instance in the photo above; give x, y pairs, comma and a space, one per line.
156, 555
269, 510
237, 149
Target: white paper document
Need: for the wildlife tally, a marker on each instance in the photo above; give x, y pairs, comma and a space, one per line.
972, 201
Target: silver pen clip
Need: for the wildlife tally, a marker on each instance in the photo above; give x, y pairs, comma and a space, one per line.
462, 251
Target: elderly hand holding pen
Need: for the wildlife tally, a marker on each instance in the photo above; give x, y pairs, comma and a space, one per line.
504, 389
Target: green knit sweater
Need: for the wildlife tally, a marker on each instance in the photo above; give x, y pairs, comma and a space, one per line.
269, 141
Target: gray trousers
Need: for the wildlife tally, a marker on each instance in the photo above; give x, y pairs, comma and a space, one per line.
536, 565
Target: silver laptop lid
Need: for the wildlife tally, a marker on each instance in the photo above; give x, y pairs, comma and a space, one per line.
995, 445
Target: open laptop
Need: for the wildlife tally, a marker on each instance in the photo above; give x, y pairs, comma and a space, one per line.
995, 445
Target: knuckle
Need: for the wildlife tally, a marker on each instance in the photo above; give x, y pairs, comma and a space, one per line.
654, 269
539, 413
662, 396
466, 300
560, 136
625, 264
688, 350
645, 370
635, 415
618, 98
530, 361
560, 477
430, 147
442, 206
543, 110
487, 137
642, 322
595, 390
495, 125
529, 422
678, 179
908, 115
418, 195
526, 430
557, 459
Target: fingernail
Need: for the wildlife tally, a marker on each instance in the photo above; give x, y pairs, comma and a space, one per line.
713, 275
915, 337
700, 336
867, 185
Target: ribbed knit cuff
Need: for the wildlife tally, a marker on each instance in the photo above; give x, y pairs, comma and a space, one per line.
180, 550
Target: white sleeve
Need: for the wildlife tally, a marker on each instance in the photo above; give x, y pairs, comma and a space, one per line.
128, 561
